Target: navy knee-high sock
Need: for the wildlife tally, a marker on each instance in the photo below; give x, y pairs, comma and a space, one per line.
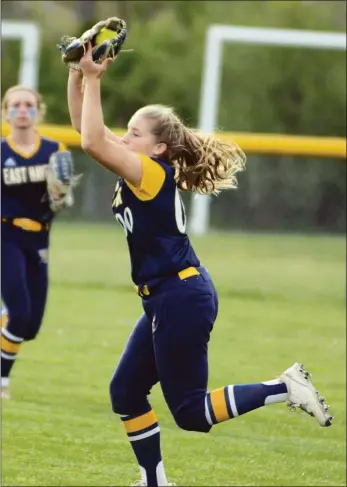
231, 401
144, 435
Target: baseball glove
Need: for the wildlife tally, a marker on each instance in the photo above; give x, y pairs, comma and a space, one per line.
106, 38
61, 180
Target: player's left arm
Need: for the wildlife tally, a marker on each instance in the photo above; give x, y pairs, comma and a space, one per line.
61, 179
75, 101
113, 156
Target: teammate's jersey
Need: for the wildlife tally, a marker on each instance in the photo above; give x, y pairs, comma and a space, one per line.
154, 221
23, 180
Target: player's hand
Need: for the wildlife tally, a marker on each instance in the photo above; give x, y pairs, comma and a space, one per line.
89, 68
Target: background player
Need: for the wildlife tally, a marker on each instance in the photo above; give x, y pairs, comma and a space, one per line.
158, 157
26, 219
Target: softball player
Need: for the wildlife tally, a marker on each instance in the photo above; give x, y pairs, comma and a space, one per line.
156, 159
26, 219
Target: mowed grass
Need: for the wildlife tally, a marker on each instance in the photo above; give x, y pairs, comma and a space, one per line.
282, 299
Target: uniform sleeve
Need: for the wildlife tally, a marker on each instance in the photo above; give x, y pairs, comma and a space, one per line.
153, 178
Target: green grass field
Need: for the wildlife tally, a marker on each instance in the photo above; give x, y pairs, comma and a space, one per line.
282, 299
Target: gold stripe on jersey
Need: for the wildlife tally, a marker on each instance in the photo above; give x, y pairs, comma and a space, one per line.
30, 154
153, 178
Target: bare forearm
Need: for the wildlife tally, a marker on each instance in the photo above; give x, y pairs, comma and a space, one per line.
92, 127
75, 98
110, 154
75, 102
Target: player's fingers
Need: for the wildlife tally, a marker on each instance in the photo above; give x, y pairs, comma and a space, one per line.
105, 64
87, 51
103, 67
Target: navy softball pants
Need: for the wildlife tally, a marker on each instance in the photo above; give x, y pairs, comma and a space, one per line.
24, 281
169, 345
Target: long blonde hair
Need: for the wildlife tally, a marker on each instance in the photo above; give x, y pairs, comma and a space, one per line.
41, 106
203, 163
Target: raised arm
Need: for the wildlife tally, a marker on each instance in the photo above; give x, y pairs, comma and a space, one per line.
111, 154
75, 99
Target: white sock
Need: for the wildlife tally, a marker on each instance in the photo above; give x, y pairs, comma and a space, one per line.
275, 398
5, 381
161, 476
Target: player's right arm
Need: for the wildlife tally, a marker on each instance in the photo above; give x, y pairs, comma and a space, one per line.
75, 100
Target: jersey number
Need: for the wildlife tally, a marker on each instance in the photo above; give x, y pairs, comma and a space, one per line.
180, 213
126, 221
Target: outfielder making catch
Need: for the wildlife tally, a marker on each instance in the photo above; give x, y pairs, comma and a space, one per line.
156, 159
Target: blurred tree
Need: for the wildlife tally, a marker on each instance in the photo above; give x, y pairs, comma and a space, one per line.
86, 13
86, 10
263, 89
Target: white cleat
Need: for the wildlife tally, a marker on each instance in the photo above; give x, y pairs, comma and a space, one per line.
5, 393
302, 394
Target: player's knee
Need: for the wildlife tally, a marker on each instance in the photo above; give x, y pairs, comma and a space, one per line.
125, 399
31, 335
118, 397
19, 319
33, 329
190, 421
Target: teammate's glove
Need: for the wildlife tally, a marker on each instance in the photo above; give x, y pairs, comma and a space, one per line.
106, 38
61, 180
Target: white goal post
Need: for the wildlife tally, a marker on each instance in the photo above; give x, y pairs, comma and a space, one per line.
216, 36
29, 35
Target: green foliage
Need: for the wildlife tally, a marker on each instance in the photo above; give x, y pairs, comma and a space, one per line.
264, 89
9, 70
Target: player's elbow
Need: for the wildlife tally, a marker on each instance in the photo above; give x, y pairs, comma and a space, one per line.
91, 146
77, 127
76, 123
86, 145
